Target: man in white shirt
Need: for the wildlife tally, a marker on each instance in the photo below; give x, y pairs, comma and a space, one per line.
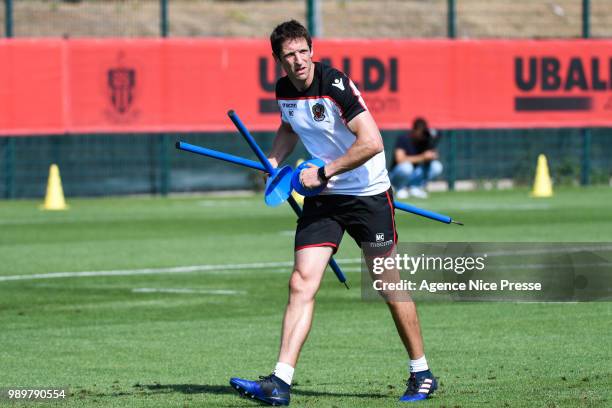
322, 107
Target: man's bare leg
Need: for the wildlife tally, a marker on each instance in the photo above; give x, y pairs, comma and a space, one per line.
402, 308
421, 383
305, 280
407, 323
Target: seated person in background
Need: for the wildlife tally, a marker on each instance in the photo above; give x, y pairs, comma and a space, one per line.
415, 161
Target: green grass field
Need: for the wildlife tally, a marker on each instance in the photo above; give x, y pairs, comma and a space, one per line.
152, 334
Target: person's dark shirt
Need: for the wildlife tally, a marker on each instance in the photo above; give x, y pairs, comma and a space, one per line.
412, 146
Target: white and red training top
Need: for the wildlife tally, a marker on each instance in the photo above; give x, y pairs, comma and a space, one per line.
319, 116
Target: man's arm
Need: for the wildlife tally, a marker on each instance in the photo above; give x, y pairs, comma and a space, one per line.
368, 143
283, 144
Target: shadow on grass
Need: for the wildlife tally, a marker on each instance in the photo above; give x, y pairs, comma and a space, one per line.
227, 390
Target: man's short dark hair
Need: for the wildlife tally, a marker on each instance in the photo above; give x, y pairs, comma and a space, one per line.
289, 30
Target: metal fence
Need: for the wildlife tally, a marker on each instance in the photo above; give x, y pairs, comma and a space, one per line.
148, 163
95, 165
328, 18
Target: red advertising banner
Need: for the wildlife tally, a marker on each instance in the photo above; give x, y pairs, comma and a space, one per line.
53, 86
32, 87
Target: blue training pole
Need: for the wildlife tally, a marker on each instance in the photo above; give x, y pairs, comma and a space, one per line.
220, 155
257, 166
251, 141
425, 213
264, 160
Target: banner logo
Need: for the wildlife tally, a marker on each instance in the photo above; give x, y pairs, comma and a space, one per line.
121, 82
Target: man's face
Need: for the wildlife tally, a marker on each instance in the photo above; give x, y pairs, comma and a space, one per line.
296, 59
418, 134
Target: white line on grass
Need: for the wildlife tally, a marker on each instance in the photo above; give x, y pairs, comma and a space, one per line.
531, 302
499, 206
156, 271
190, 291
263, 265
225, 203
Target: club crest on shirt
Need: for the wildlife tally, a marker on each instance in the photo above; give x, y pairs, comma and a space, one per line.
318, 112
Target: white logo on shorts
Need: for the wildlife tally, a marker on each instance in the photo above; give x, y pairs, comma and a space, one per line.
380, 237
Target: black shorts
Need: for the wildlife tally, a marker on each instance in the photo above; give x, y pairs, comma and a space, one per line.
370, 220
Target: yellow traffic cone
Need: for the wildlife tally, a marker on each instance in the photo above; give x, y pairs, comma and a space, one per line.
542, 186
297, 196
54, 199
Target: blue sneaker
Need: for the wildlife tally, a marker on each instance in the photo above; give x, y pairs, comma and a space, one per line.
269, 389
420, 386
